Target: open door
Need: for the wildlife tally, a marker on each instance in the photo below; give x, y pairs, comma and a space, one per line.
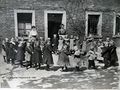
54, 22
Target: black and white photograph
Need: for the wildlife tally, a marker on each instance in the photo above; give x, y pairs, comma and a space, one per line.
60, 44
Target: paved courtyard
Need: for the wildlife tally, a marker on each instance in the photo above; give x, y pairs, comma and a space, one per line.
16, 77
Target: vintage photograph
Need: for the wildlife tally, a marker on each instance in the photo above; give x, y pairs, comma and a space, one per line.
60, 44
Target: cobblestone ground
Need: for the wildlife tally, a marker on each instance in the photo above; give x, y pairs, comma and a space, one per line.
16, 77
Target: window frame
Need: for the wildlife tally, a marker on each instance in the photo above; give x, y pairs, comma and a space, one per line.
100, 23
114, 24
16, 20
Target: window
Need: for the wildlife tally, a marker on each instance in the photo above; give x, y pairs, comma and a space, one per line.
24, 24
24, 19
117, 26
93, 23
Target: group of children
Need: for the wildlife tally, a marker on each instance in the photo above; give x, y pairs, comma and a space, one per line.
38, 52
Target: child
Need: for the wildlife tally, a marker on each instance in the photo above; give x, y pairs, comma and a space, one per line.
47, 54
91, 58
63, 59
55, 43
71, 43
12, 51
77, 41
28, 54
99, 52
77, 57
60, 43
41, 43
37, 55
62, 31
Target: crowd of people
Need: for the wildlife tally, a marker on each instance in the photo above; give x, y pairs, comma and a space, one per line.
35, 52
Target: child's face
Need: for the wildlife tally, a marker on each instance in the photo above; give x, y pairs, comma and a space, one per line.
6, 39
28, 44
62, 26
60, 38
55, 35
107, 39
71, 36
65, 46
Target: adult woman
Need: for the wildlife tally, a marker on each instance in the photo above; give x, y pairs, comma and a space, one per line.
63, 59
47, 54
37, 55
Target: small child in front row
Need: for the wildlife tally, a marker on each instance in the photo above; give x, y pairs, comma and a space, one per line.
72, 43
91, 58
77, 57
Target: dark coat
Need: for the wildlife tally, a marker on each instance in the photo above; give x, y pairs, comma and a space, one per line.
11, 51
20, 53
37, 55
47, 54
106, 53
7, 44
55, 43
113, 55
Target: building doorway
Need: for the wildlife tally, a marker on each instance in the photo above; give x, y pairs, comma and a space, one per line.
54, 22
53, 19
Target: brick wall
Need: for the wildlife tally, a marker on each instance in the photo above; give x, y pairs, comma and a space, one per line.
7, 24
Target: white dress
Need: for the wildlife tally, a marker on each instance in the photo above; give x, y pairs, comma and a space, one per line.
71, 44
99, 51
60, 45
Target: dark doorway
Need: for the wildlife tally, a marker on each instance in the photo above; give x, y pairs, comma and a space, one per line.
117, 25
93, 24
54, 21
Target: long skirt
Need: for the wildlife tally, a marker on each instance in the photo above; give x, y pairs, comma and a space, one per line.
63, 59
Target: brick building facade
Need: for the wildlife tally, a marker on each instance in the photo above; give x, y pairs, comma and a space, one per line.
79, 16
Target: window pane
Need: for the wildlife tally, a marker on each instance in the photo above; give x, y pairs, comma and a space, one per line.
28, 26
20, 25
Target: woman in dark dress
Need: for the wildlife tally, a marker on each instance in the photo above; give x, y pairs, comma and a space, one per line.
47, 54
21, 53
113, 54
28, 54
106, 55
37, 55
